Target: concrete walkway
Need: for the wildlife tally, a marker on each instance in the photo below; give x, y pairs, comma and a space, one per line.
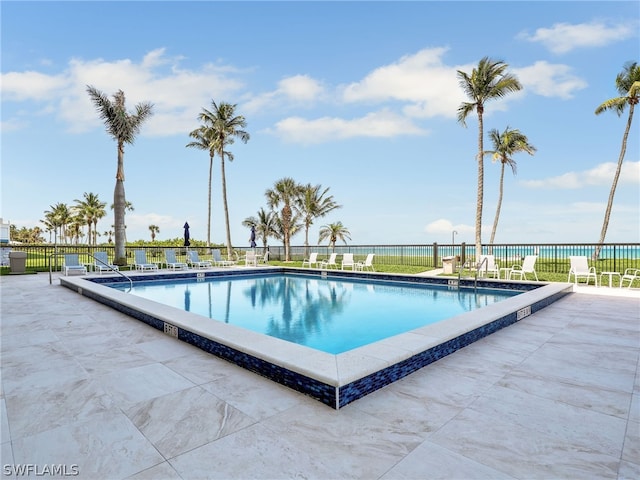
88, 390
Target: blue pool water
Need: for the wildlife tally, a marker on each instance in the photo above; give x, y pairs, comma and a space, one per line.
330, 315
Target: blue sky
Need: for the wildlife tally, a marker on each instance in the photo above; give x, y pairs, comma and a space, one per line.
360, 97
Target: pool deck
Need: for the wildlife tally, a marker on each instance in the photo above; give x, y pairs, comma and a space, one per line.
554, 396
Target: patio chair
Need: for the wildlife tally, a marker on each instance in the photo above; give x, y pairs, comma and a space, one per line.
487, 265
331, 262
141, 263
528, 266
72, 264
217, 259
101, 263
580, 269
172, 261
193, 259
630, 275
367, 264
347, 261
250, 259
312, 260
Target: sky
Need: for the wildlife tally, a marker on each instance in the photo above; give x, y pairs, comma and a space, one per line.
359, 97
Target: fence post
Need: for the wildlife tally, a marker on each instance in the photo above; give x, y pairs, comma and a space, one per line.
435, 254
463, 253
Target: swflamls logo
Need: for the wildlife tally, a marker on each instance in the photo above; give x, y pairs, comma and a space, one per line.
32, 469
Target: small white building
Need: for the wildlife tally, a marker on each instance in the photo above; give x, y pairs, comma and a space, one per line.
5, 238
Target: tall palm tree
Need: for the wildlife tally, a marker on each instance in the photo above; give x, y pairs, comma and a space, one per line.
123, 127
221, 127
154, 229
265, 225
334, 232
313, 203
628, 86
488, 81
204, 140
505, 145
285, 192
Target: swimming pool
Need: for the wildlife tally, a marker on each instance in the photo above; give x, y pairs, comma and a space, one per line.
330, 315
333, 379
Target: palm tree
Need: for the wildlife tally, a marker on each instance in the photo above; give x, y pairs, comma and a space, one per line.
488, 81
204, 140
313, 204
59, 217
92, 209
265, 225
285, 192
220, 128
334, 232
505, 145
154, 229
628, 85
123, 127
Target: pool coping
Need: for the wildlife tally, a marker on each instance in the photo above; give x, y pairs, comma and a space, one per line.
335, 380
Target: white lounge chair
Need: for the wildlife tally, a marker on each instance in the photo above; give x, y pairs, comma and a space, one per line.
487, 265
528, 266
347, 261
217, 259
250, 259
72, 264
193, 259
331, 262
172, 261
141, 263
367, 264
312, 260
580, 269
101, 263
630, 275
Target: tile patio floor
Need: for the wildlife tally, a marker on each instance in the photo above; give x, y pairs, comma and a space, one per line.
555, 396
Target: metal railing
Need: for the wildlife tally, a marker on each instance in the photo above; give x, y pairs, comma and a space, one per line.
552, 258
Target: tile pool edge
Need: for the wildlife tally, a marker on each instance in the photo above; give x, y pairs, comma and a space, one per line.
335, 380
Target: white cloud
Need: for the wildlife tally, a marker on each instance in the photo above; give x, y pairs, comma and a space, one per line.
422, 80
298, 89
564, 37
178, 94
377, 124
31, 86
600, 175
443, 226
550, 80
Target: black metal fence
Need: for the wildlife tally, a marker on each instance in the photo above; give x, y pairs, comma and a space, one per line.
552, 258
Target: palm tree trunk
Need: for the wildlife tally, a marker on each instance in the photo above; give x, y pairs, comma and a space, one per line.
209, 202
495, 220
118, 210
226, 208
480, 199
306, 240
607, 213
286, 227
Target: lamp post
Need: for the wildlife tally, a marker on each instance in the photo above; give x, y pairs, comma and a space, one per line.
453, 237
